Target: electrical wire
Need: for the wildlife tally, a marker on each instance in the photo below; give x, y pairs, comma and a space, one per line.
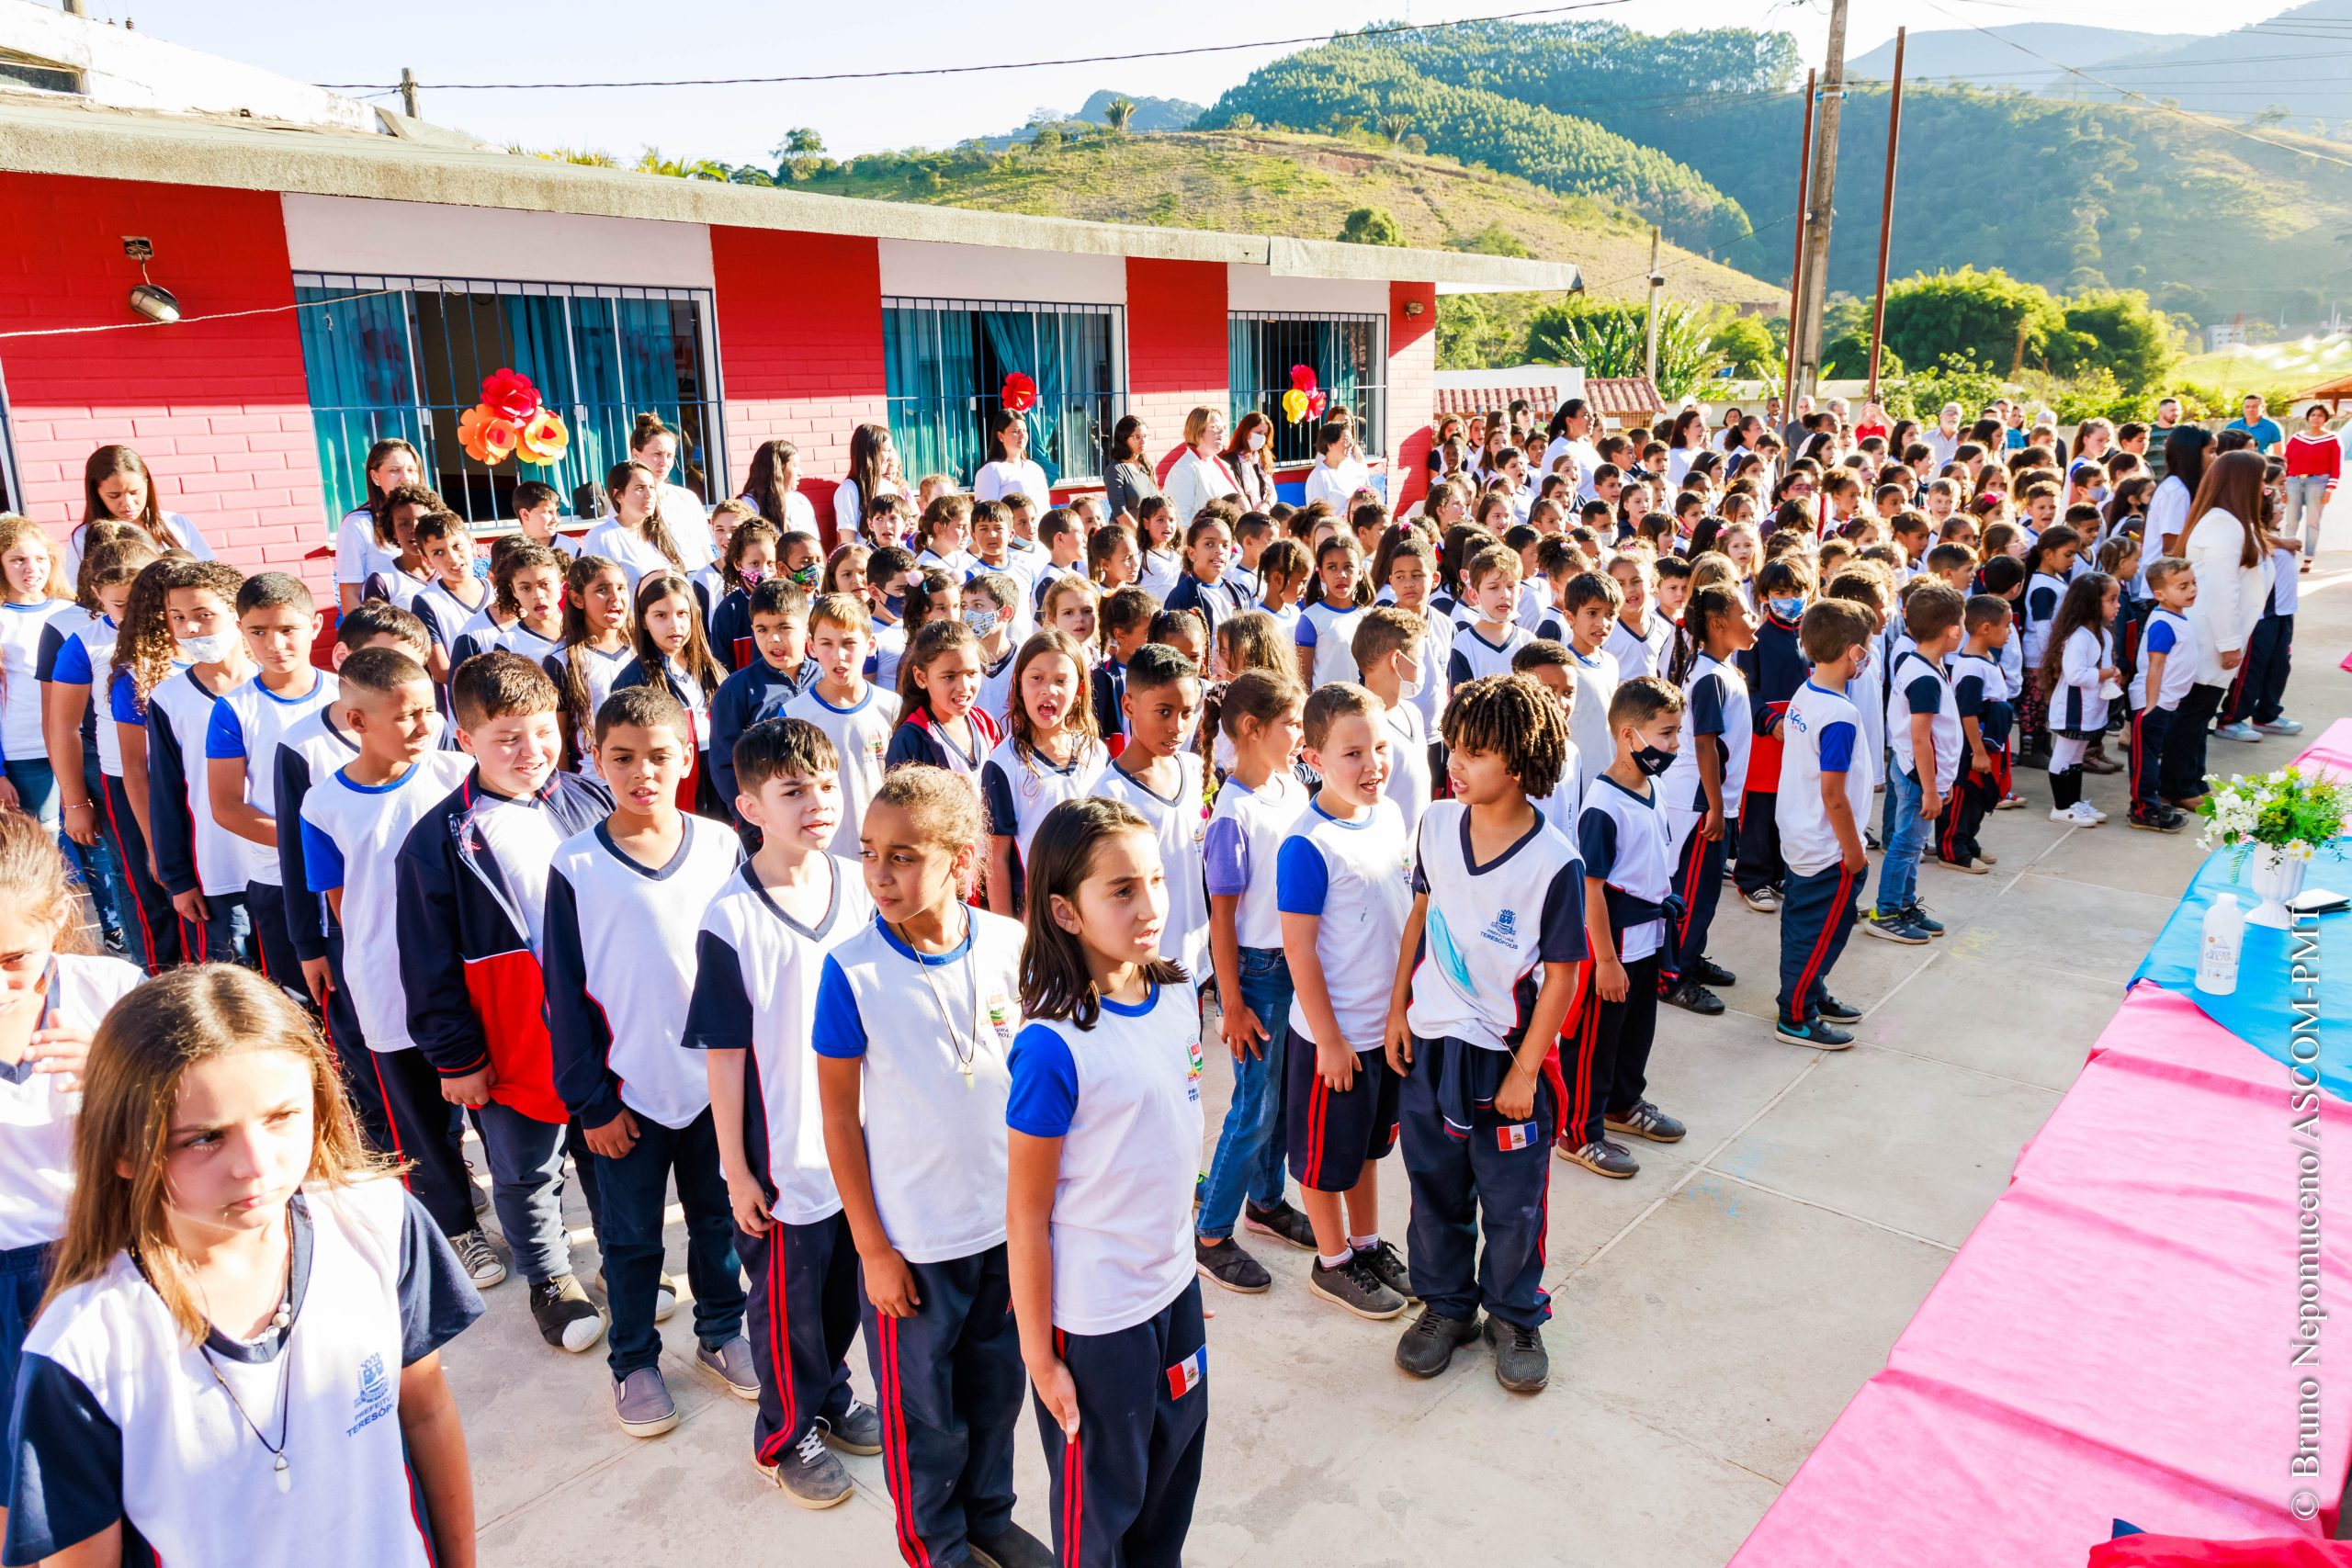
192, 320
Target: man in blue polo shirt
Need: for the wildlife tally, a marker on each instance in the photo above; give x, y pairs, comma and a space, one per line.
2254, 422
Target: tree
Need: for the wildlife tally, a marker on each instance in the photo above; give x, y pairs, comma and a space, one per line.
1746, 344
1494, 240
1118, 114
2115, 331
1611, 339
1395, 125
1372, 226
799, 140
1988, 318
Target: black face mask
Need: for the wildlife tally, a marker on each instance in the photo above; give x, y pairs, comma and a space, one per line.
1652, 761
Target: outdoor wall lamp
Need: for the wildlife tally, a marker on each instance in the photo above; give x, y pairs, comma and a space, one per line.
149, 298
1414, 307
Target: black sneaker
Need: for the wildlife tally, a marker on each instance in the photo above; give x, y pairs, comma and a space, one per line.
1428, 1345
2148, 822
567, 1320
1387, 1266
1707, 972
1228, 1265
1836, 1012
856, 1430
1355, 1287
1692, 997
1521, 1364
1918, 915
1282, 1220
809, 1474
1818, 1033
1646, 1121
1010, 1546
1602, 1157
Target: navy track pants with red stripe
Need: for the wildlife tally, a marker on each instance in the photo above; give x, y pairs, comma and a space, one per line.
803, 1314
948, 1383
1816, 916
1699, 882
156, 925
1610, 1042
1476, 1178
1123, 1486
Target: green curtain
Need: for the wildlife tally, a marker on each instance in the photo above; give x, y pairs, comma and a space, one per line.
929, 363
1031, 343
1244, 381
356, 358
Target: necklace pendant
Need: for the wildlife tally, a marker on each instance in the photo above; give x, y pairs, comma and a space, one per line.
966, 1068
284, 1477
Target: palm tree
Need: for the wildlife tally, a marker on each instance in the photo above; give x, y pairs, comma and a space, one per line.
1394, 126
1118, 113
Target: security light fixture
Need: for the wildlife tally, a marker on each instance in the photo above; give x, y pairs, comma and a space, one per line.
148, 298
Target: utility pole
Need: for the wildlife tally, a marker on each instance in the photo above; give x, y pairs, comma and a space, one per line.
1822, 196
1886, 213
1657, 281
1796, 263
408, 89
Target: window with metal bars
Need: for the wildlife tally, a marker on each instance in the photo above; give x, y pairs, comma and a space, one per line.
12, 492
1348, 354
945, 362
407, 356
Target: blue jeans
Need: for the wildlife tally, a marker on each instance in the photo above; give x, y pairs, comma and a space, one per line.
1248, 1157
526, 1188
632, 1192
1898, 876
2306, 499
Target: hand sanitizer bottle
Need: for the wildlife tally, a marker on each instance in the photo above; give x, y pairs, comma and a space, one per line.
2217, 953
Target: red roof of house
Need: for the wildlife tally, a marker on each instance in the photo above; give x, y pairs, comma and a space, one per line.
1621, 398
1483, 399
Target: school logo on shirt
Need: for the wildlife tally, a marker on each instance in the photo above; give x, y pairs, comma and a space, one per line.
1503, 930
999, 1011
1192, 1069
1517, 1135
374, 1401
1186, 1375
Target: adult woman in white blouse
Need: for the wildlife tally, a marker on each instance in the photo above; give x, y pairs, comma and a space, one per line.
2185, 450
117, 488
773, 487
361, 548
638, 534
1201, 475
653, 443
2222, 542
870, 462
1009, 470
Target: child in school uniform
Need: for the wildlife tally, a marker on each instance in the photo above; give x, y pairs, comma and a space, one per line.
1487, 971
1159, 776
1703, 788
1049, 754
915, 1015
1103, 1114
1340, 883
989, 610
1979, 696
1327, 622
598, 647
224, 1334
758, 958
2076, 666
29, 583
1641, 639
1773, 666
172, 661
471, 882
353, 821
536, 507
1590, 604
857, 715
1389, 646
401, 575
1488, 635
1824, 799
625, 900
527, 582
1629, 907
2049, 567
2260, 692
939, 725
777, 670
1256, 806
1923, 732
1412, 574
748, 560
1548, 663
2003, 577
279, 624
2168, 670
672, 653
455, 595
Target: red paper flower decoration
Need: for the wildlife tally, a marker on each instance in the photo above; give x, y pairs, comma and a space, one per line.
1303, 377
510, 395
1020, 393
1315, 403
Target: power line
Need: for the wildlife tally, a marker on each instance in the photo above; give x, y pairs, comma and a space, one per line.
999, 65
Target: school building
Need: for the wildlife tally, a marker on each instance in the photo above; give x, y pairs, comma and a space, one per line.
339, 283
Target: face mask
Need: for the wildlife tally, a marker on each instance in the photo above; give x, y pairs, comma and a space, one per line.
894, 603
982, 621
207, 649
1787, 609
753, 576
1257, 439
1652, 761
806, 576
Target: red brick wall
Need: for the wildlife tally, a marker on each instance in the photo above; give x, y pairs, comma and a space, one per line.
1177, 354
219, 410
1412, 389
800, 348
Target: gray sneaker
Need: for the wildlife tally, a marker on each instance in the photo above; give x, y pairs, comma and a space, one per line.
481, 1260
1894, 927
1602, 1157
1430, 1344
808, 1473
1521, 1364
1387, 1266
856, 1430
1356, 1289
642, 1401
1646, 1121
732, 1364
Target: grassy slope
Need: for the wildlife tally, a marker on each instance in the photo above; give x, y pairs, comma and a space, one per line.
1263, 183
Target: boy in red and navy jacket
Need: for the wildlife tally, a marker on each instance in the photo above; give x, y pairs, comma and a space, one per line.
1774, 667
472, 880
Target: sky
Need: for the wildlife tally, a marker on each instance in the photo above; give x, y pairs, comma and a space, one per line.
464, 41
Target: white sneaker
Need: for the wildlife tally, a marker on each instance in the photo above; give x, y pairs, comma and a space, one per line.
2086, 815
2095, 811
2065, 815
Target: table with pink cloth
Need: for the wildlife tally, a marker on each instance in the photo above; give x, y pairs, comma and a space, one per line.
2114, 1340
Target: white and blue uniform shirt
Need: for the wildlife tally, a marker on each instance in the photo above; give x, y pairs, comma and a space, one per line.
1355, 877
1179, 823
522, 640
1329, 632
1821, 733
247, 724
601, 671
351, 834
1920, 687
20, 633
1646, 653
756, 970
184, 536
1489, 927
933, 1032
1436, 658
861, 734
1715, 713
178, 717
2076, 705
1246, 830
1409, 784
2175, 637
1621, 838
120, 1420
37, 1116
1472, 657
449, 615
84, 654
1594, 675
1017, 791
2043, 593
1124, 1099
1976, 688
620, 972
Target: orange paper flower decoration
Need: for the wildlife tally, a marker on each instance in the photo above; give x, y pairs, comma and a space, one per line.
543, 439
487, 437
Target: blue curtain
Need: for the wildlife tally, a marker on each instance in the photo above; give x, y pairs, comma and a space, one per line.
1244, 379
1030, 343
929, 364
600, 433
355, 357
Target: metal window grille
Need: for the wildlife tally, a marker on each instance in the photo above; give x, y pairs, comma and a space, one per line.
408, 362
12, 489
1348, 353
945, 364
